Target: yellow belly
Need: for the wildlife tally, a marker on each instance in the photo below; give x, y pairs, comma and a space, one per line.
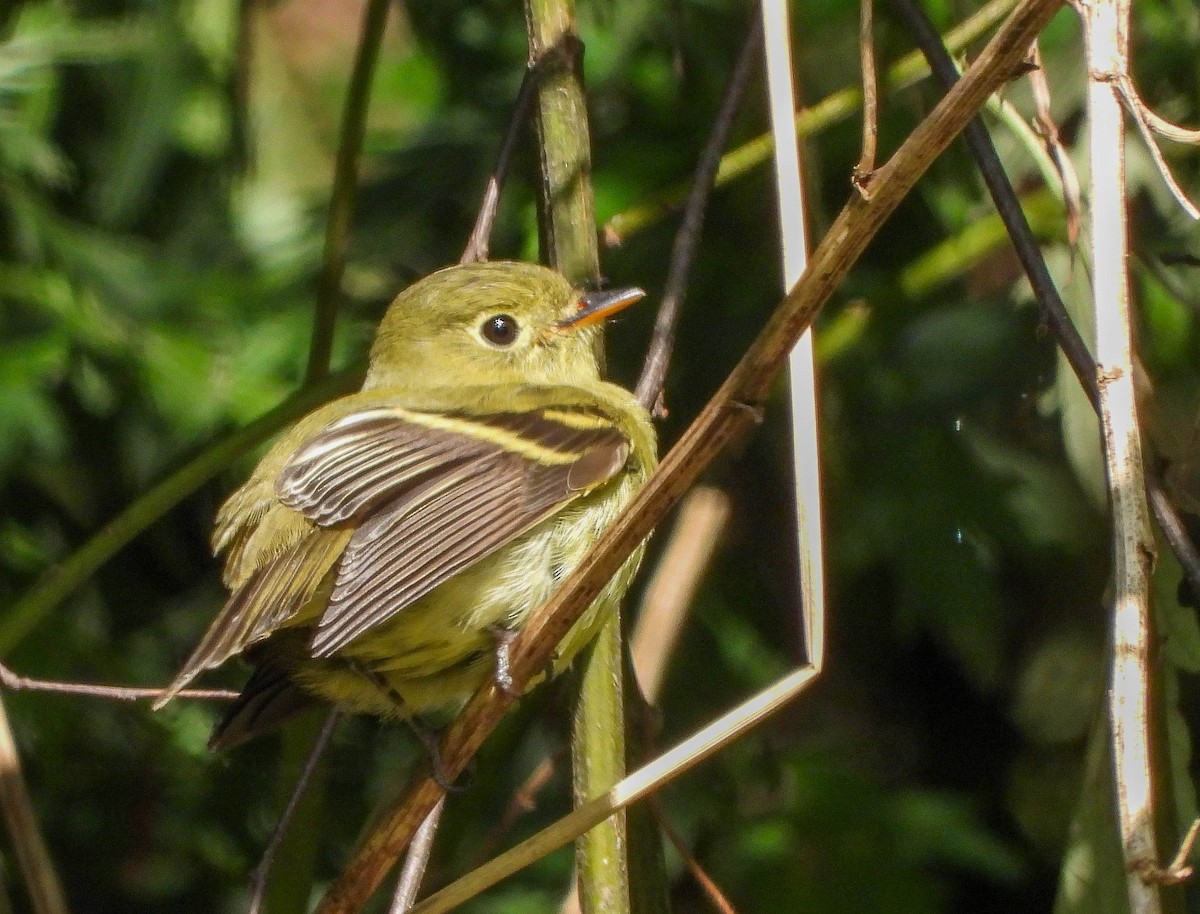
435, 653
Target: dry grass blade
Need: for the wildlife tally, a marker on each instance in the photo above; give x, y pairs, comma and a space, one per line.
731, 411
669, 594
802, 386
41, 881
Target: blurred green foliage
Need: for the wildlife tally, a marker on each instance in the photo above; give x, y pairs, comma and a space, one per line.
164, 175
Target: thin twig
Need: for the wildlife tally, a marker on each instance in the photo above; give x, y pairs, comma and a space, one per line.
860, 177
258, 881
730, 413
18, 683
1139, 111
1043, 123
25, 836
658, 357
415, 862
479, 242
523, 802
345, 183
707, 885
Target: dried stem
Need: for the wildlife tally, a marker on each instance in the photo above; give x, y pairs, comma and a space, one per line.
416, 861
1106, 26
658, 357
1043, 123
861, 175
481, 234
669, 594
802, 386
730, 412
262, 872
18, 683
345, 182
41, 881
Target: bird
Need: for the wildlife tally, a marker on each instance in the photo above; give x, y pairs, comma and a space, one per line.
386, 547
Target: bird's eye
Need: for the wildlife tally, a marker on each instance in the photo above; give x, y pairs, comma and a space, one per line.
500, 329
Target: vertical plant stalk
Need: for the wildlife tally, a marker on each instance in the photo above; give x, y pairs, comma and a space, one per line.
564, 142
1105, 28
802, 385
25, 837
569, 233
345, 183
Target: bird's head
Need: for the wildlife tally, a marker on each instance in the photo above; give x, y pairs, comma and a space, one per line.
492, 323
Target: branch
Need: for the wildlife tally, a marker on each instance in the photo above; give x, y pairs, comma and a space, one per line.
731, 412
861, 175
662, 342
480, 239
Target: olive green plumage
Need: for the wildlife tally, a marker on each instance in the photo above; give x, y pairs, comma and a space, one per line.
388, 539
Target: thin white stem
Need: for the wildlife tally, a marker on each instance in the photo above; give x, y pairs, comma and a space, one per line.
1106, 24
633, 787
416, 861
801, 373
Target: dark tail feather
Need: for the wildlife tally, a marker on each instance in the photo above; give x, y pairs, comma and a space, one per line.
268, 699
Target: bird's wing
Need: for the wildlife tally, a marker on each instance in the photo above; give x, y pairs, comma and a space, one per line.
430, 494
266, 600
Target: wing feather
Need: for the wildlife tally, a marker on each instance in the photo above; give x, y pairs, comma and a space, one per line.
269, 598
432, 494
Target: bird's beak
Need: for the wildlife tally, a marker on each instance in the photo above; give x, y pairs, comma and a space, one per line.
598, 305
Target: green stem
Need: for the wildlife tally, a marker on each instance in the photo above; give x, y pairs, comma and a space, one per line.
564, 141
345, 182
569, 233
